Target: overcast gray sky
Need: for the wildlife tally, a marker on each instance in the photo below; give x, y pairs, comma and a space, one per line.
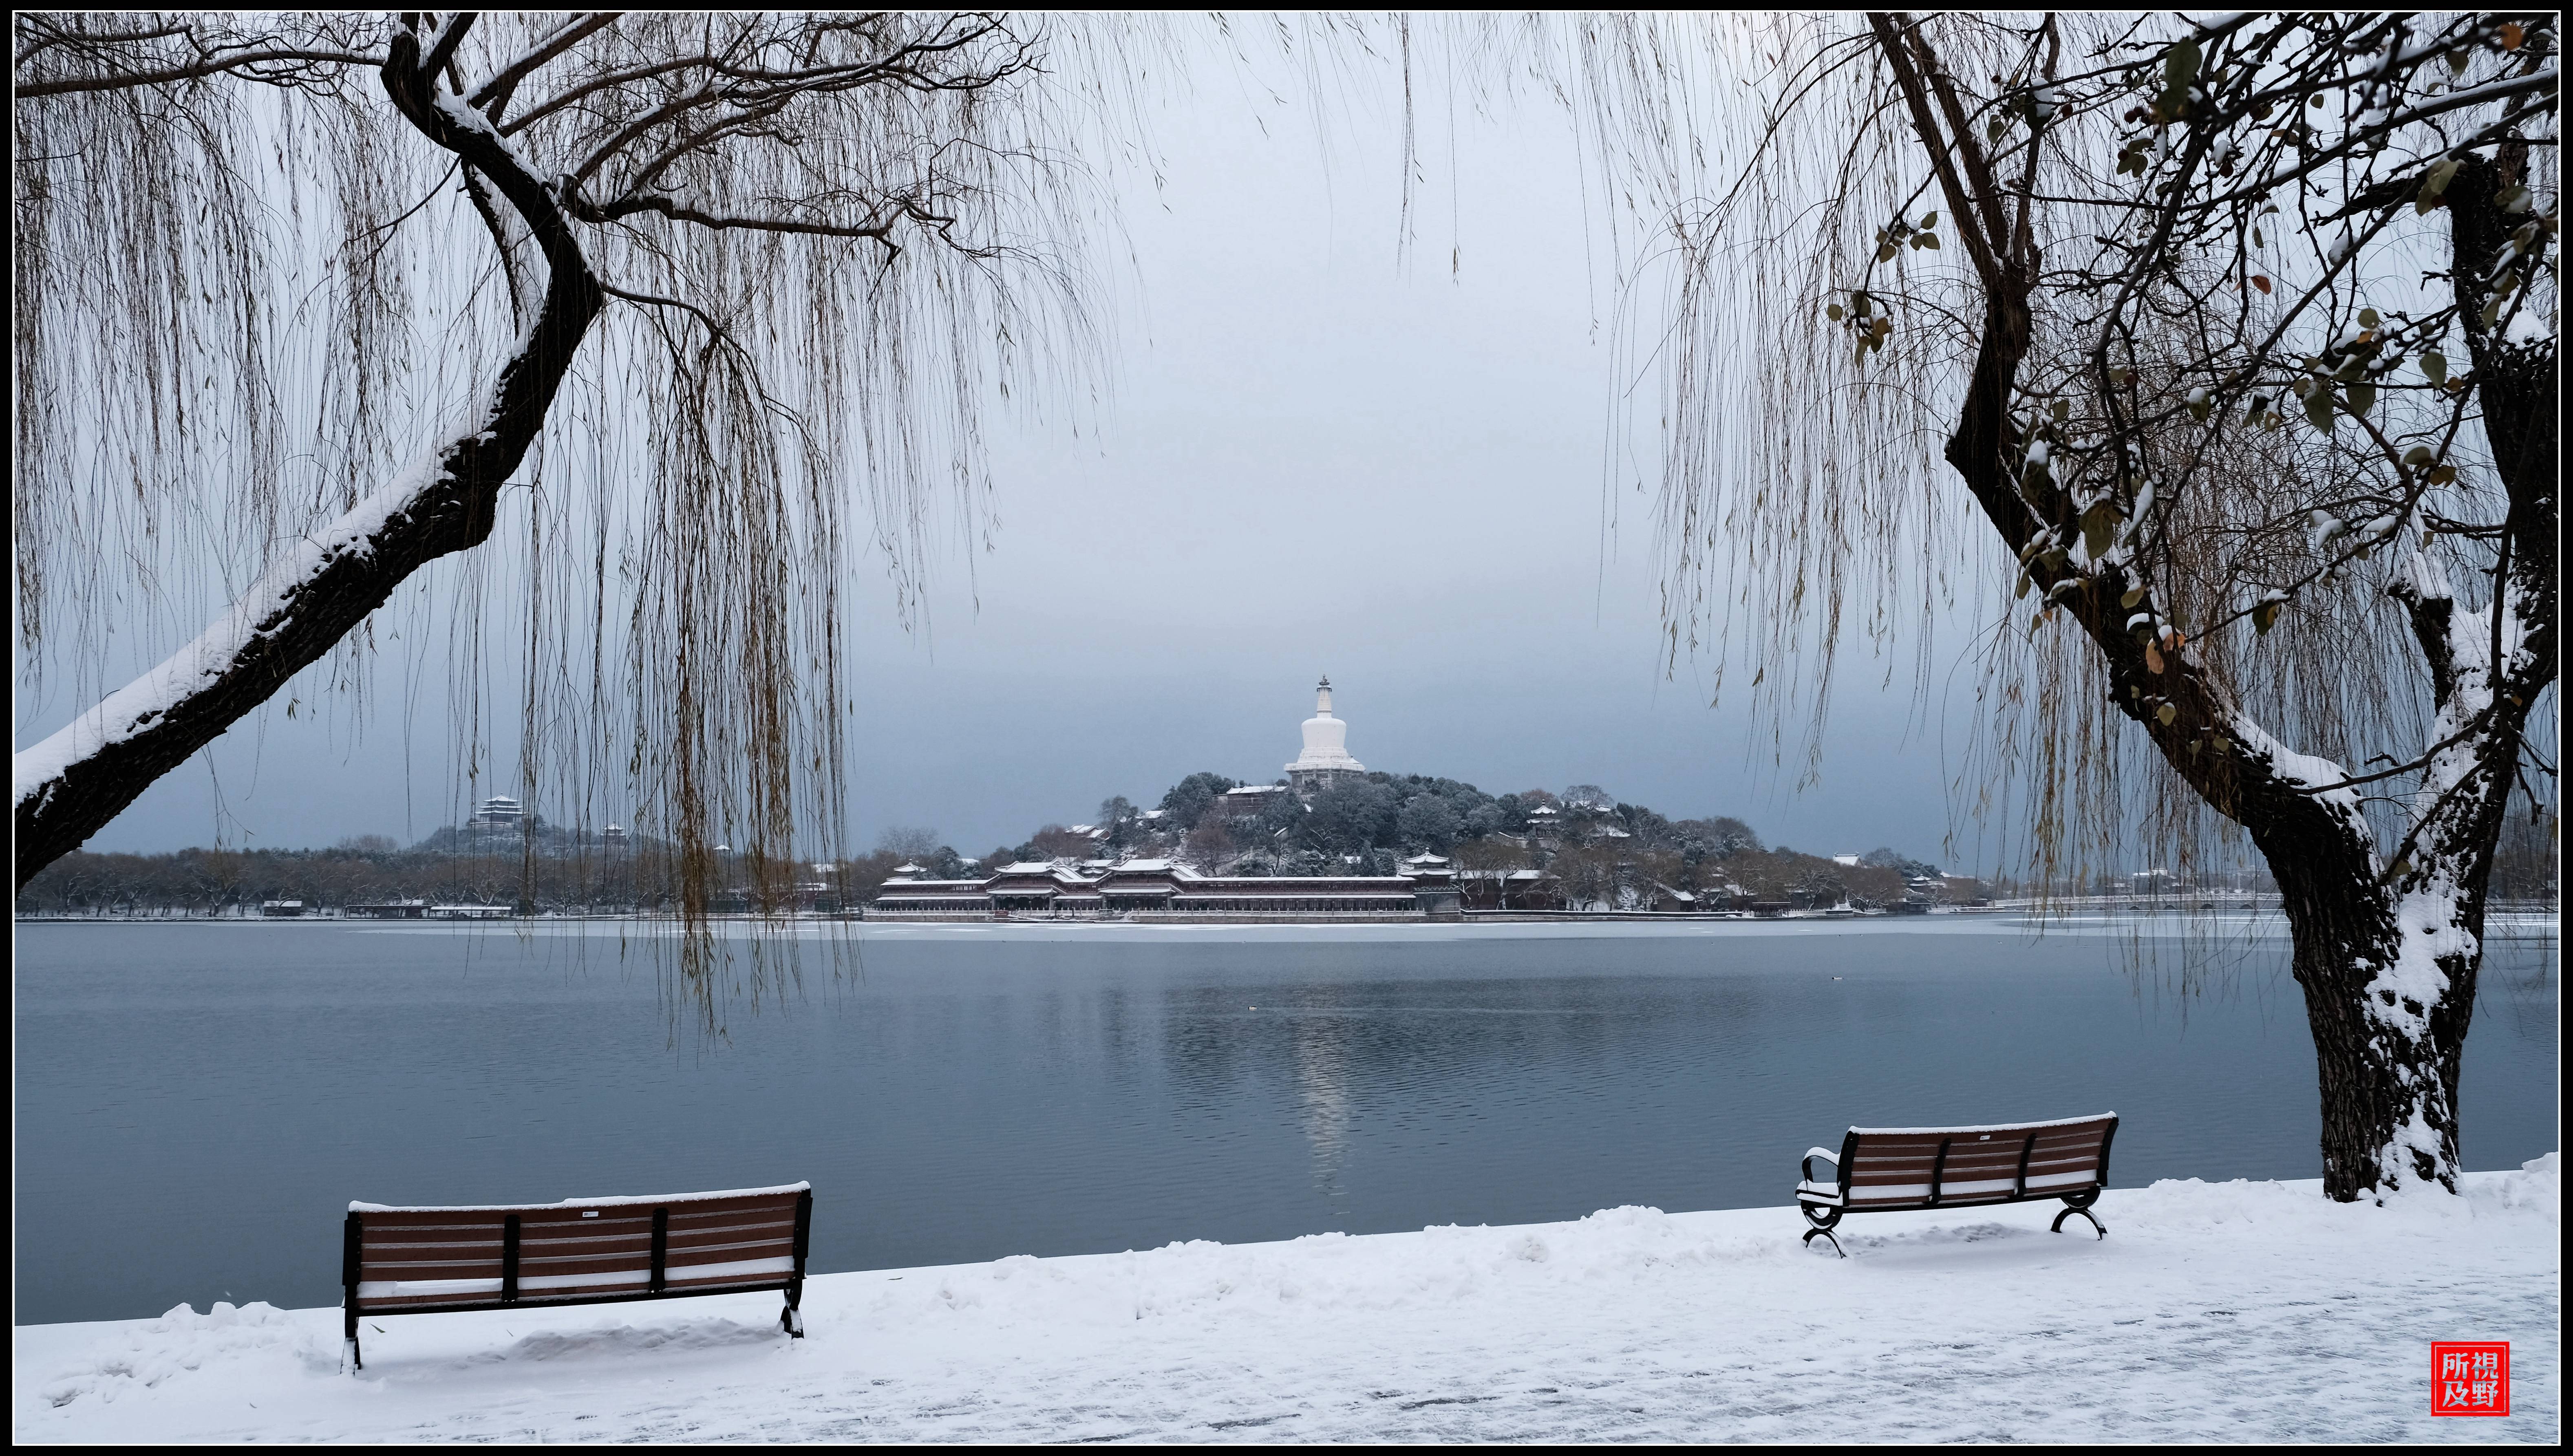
1314, 463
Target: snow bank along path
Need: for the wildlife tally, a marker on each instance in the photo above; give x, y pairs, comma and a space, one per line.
2231, 1311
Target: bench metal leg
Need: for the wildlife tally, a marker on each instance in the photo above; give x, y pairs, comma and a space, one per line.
353, 1239
2085, 1210
792, 1317
1822, 1221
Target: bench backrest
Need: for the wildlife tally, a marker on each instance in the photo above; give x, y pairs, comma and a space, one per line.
1933, 1167
582, 1250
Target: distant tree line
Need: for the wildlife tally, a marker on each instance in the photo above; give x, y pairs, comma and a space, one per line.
1598, 851
448, 868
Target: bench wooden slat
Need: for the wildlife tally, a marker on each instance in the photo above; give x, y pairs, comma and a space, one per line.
1957, 1170
564, 1255
754, 1273
729, 1252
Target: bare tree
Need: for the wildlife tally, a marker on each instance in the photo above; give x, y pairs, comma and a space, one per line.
2283, 516
1210, 844
908, 842
806, 247
1054, 842
1591, 796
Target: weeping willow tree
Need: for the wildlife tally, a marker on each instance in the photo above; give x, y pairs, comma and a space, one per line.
2236, 344
690, 310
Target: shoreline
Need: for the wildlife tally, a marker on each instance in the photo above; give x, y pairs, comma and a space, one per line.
2238, 1311
2515, 927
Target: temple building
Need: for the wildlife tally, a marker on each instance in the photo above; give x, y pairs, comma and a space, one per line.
497, 814
1247, 801
1325, 760
1162, 889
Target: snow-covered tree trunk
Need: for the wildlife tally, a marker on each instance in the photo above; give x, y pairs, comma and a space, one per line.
2388, 952
70, 784
2389, 982
2386, 946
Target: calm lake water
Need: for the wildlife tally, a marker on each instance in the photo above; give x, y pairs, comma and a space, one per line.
196, 1104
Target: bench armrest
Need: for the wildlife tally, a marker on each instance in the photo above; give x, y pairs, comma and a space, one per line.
1827, 1155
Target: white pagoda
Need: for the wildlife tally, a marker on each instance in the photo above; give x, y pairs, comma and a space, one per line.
1325, 760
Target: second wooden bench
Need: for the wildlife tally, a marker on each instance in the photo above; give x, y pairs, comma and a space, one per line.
1888, 1169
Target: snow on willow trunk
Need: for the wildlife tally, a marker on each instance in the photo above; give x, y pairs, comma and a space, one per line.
70, 784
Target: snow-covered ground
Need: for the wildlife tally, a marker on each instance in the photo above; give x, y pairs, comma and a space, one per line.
2227, 1312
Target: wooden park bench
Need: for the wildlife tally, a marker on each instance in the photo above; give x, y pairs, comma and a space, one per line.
1887, 1169
578, 1251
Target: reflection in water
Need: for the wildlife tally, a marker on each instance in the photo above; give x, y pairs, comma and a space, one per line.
1322, 1094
